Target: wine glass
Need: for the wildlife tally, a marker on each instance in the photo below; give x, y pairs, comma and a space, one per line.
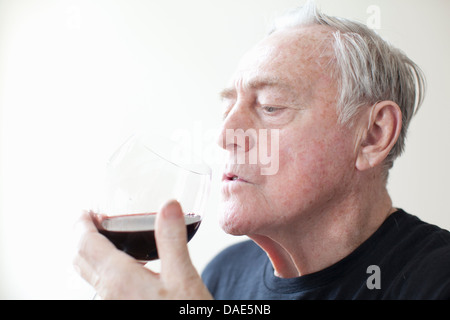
146, 171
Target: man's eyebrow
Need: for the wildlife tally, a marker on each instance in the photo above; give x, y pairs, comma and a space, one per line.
257, 83
227, 93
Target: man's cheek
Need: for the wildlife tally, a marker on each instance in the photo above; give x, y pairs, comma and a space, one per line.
304, 168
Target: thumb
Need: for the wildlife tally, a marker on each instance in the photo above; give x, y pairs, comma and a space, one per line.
171, 241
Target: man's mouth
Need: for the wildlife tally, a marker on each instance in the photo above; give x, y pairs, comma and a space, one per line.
233, 177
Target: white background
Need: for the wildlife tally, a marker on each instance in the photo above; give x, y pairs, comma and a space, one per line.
77, 77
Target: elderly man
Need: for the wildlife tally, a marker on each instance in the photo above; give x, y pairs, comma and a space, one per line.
323, 226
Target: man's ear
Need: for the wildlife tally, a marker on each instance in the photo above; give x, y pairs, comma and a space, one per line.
384, 126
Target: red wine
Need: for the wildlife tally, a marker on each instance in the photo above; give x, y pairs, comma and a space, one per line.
135, 233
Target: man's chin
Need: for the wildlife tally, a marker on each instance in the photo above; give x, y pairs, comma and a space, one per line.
235, 224
231, 228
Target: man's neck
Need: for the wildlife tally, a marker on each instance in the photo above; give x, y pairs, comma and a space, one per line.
321, 238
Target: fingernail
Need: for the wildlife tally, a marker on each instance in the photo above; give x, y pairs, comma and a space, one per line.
171, 209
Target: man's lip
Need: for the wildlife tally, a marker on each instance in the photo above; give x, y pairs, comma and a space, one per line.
229, 176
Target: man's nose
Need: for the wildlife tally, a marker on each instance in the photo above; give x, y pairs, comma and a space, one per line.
238, 133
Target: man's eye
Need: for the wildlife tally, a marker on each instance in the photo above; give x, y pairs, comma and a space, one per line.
270, 109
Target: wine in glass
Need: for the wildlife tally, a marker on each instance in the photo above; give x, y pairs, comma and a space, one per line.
145, 172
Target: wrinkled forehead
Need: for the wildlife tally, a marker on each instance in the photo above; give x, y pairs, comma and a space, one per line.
298, 55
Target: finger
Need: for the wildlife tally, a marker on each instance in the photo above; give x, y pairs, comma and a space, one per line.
171, 241
95, 253
92, 246
85, 223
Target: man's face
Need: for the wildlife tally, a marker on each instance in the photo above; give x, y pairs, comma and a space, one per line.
283, 84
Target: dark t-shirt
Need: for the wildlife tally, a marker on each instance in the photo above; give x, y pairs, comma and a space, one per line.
405, 258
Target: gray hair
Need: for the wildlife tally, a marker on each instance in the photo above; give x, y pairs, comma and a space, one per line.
367, 69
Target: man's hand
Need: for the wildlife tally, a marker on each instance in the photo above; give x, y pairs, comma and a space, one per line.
116, 275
